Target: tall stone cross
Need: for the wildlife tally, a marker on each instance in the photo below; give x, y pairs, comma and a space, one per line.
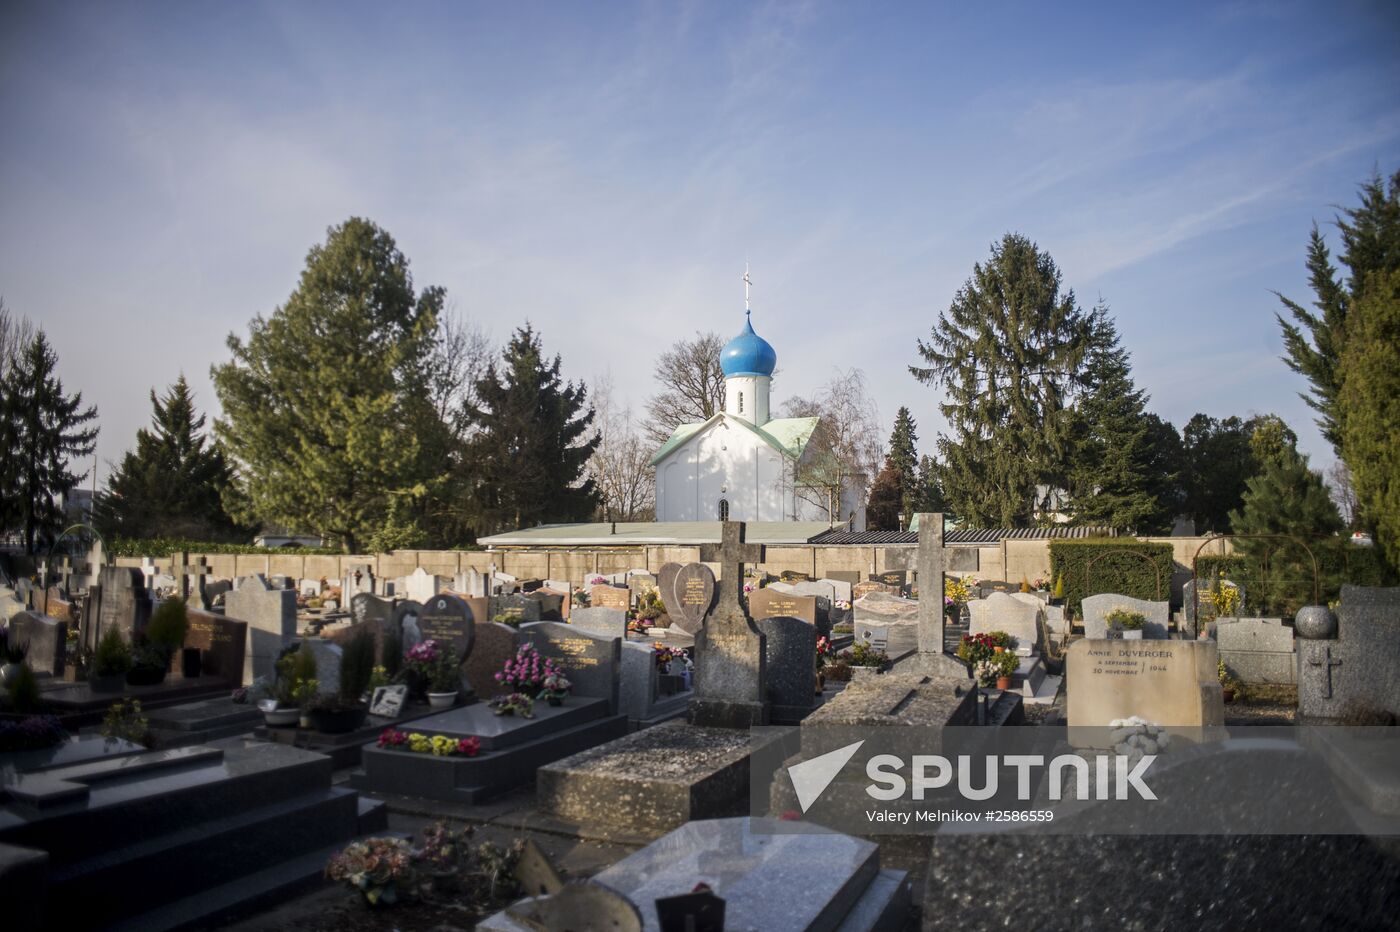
183, 570
1324, 666
931, 659
730, 664
731, 554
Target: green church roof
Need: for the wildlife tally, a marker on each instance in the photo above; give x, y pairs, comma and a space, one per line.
788, 435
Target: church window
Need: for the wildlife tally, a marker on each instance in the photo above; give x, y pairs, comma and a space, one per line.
724, 509
741, 402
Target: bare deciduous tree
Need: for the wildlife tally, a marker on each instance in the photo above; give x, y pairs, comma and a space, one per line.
846, 449
457, 362
1343, 493
621, 464
16, 332
692, 386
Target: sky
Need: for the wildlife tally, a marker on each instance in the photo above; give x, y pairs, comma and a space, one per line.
605, 171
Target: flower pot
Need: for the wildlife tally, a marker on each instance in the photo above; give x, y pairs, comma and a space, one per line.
1132, 635
303, 719
337, 721
1003, 682
191, 663
442, 700
107, 682
8, 672
555, 700
998, 650
145, 676
282, 718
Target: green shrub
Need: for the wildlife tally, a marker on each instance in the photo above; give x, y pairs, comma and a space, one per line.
1288, 583
24, 690
164, 546
356, 666
124, 721
113, 655
1114, 564
169, 625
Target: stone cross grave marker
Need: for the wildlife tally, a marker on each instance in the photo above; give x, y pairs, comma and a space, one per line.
730, 665
931, 659
693, 592
185, 571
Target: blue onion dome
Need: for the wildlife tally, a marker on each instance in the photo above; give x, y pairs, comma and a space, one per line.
748, 354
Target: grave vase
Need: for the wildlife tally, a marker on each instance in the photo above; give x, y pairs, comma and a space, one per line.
1003, 682
442, 700
1129, 635
8, 672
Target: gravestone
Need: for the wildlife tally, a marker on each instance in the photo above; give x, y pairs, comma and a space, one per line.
610, 597
551, 603
213, 592
849, 577
897, 578
47, 640
791, 665
694, 595
222, 643
1169, 683
768, 603
328, 656
1001, 612
420, 585
840, 588
640, 581
1257, 650
517, 607
271, 615
605, 622
862, 589
888, 619
593, 664
877, 636
666, 584
405, 618
1095, 609
818, 588
730, 652
470, 581
448, 620
495, 644
1357, 672
309, 588
365, 607
125, 603
359, 577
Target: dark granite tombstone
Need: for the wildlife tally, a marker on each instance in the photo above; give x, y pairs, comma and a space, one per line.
1354, 676
610, 597
593, 664
530, 585
495, 644
693, 593
214, 590
47, 640
730, 681
897, 578
551, 603
125, 602
366, 607
222, 643
518, 608
666, 584
448, 620
791, 659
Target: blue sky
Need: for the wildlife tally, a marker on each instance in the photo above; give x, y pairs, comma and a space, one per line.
604, 170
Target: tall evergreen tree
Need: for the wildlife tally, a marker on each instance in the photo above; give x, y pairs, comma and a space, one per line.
174, 484
1217, 461
325, 405
527, 456
882, 511
1370, 398
930, 490
1111, 479
1005, 351
46, 430
904, 458
1315, 340
1285, 499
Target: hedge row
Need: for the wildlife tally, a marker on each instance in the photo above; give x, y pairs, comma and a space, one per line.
1119, 565
164, 546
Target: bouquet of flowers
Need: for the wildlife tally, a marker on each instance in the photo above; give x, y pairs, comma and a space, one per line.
526, 672
515, 702
824, 651
663, 657
974, 648
555, 688
379, 868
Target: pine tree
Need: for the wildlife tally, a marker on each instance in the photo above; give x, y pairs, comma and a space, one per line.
882, 511
1290, 500
173, 484
325, 405
904, 459
930, 491
1217, 462
527, 457
1315, 341
45, 431
1005, 351
1370, 400
1111, 478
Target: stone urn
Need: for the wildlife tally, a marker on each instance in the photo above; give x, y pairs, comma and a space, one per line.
1315, 623
442, 700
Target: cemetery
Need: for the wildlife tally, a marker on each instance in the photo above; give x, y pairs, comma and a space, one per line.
451, 695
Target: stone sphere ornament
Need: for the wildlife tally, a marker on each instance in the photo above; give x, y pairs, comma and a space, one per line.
1315, 623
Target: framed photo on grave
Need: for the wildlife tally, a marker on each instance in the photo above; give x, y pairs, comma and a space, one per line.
387, 701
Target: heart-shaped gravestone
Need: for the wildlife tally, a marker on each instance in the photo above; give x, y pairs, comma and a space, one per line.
666, 585
694, 588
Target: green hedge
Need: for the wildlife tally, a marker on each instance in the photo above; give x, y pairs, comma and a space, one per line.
1113, 569
164, 546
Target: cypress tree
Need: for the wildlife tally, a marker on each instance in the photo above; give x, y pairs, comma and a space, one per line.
526, 460
1370, 398
174, 484
1005, 352
325, 403
45, 431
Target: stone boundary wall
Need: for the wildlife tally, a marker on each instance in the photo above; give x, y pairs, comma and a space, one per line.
1007, 559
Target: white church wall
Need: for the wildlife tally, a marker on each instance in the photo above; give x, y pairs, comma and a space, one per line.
724, 462
746, 396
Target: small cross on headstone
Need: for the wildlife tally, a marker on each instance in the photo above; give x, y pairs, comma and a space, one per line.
1324, 666
731, 554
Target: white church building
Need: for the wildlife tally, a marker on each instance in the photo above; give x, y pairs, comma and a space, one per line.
742, 464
